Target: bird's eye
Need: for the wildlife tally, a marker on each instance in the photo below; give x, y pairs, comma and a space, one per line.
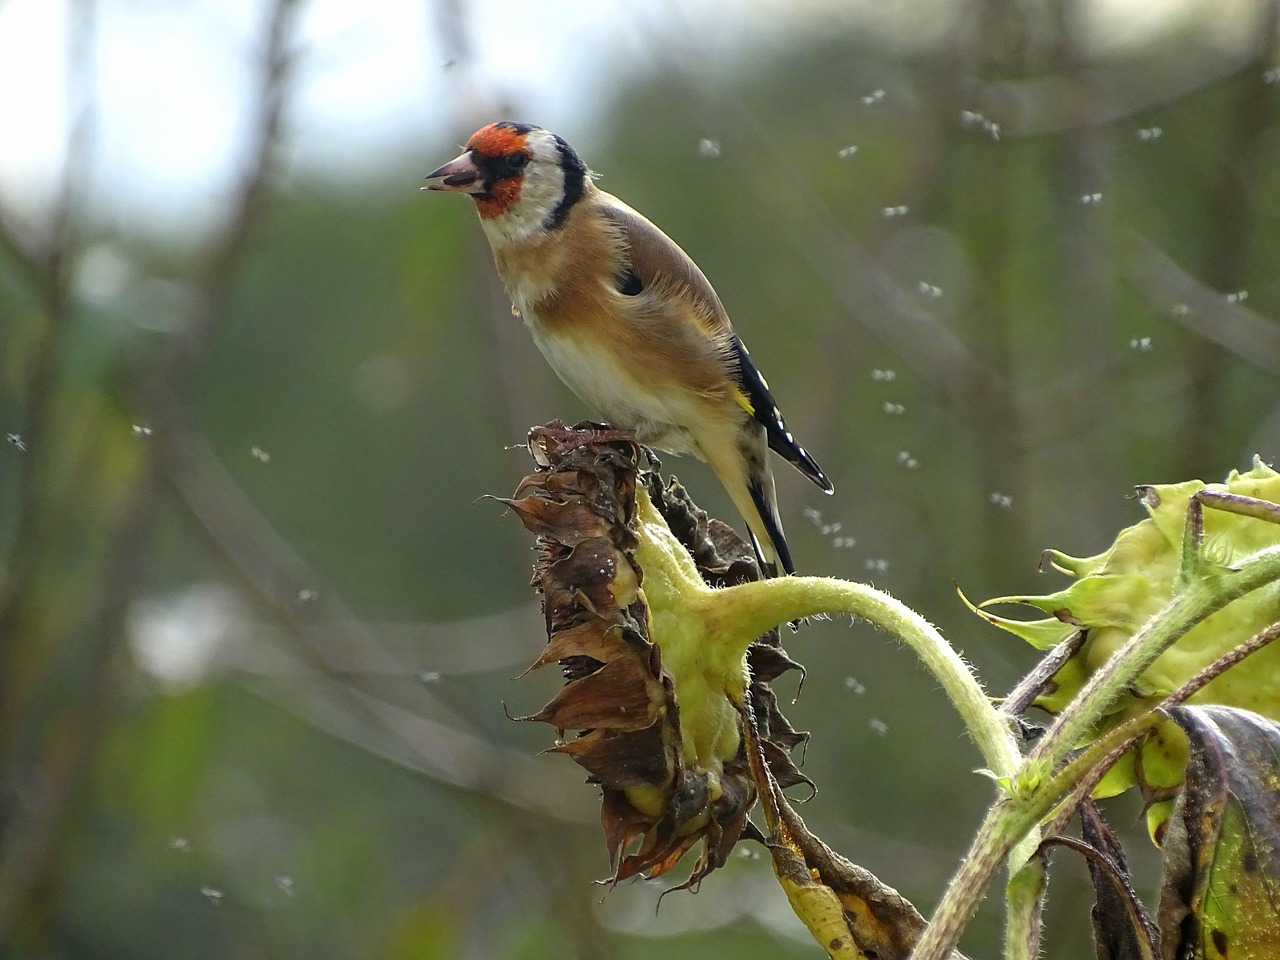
517, 161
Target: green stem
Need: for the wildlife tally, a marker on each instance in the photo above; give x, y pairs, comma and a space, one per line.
1036, 789
1025, 898
752, 609
1005, 825
1200, 600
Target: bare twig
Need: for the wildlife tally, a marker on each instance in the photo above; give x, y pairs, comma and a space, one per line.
332, 644
43, 262
258, 175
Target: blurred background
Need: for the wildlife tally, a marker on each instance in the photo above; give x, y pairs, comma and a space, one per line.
1000, 261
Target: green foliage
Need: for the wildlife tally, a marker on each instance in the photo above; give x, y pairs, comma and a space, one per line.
360, 344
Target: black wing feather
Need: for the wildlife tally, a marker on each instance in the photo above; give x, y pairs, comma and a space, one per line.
766, 412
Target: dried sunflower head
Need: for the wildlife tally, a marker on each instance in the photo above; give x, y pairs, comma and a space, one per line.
651, 708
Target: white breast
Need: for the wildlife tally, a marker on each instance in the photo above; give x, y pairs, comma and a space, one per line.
661, 417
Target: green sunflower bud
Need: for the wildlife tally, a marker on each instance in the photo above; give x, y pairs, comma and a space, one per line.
1116, 592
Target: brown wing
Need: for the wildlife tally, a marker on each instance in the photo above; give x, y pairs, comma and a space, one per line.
649, 257
652, 258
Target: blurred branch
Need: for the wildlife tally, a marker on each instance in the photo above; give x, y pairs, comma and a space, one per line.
1230, 235
42, 262
418, 651
42, 762
53, 727
452, 28
1202, 310
57, 742
437, 750
334, 644
275, 62
1053, 104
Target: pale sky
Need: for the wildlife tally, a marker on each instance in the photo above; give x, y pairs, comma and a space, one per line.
170, 82
169, 78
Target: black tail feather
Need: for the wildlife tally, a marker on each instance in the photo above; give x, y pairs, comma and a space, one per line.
773, 527
765, 411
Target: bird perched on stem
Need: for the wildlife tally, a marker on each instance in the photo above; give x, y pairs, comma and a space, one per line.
626, 319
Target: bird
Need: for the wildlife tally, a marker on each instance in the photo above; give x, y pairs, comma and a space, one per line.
627, 320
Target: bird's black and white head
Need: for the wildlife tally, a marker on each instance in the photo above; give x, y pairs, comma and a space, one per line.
523, 179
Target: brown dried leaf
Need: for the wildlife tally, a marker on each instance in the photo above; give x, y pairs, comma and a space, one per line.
620, 695
1221, 889
1122, 930
625, 758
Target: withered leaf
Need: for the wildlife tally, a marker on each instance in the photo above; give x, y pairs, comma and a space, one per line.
1122, 930
1220, 894
849, 911
624, 758
620, 695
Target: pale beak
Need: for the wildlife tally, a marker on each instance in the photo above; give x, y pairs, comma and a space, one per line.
457, 176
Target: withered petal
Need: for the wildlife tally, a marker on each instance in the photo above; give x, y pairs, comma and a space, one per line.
768, 663
621, 822
620, 695
568, 522
783, 768
654, 859
602, 576
624, 758
595, 638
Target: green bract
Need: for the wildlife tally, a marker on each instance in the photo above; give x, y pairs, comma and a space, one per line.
1118, 591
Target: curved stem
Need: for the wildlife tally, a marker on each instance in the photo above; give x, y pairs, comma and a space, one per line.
1024, 896
1035, 794
1006, 823
752, 609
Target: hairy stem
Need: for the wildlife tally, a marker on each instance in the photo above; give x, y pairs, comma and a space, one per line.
752, 609
1200, 600
1035, 790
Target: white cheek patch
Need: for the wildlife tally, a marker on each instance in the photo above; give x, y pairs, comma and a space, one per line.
540, 193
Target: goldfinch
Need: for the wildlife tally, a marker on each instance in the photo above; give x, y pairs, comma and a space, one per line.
626, 319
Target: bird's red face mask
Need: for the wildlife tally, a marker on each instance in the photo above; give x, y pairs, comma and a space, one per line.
491, 170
